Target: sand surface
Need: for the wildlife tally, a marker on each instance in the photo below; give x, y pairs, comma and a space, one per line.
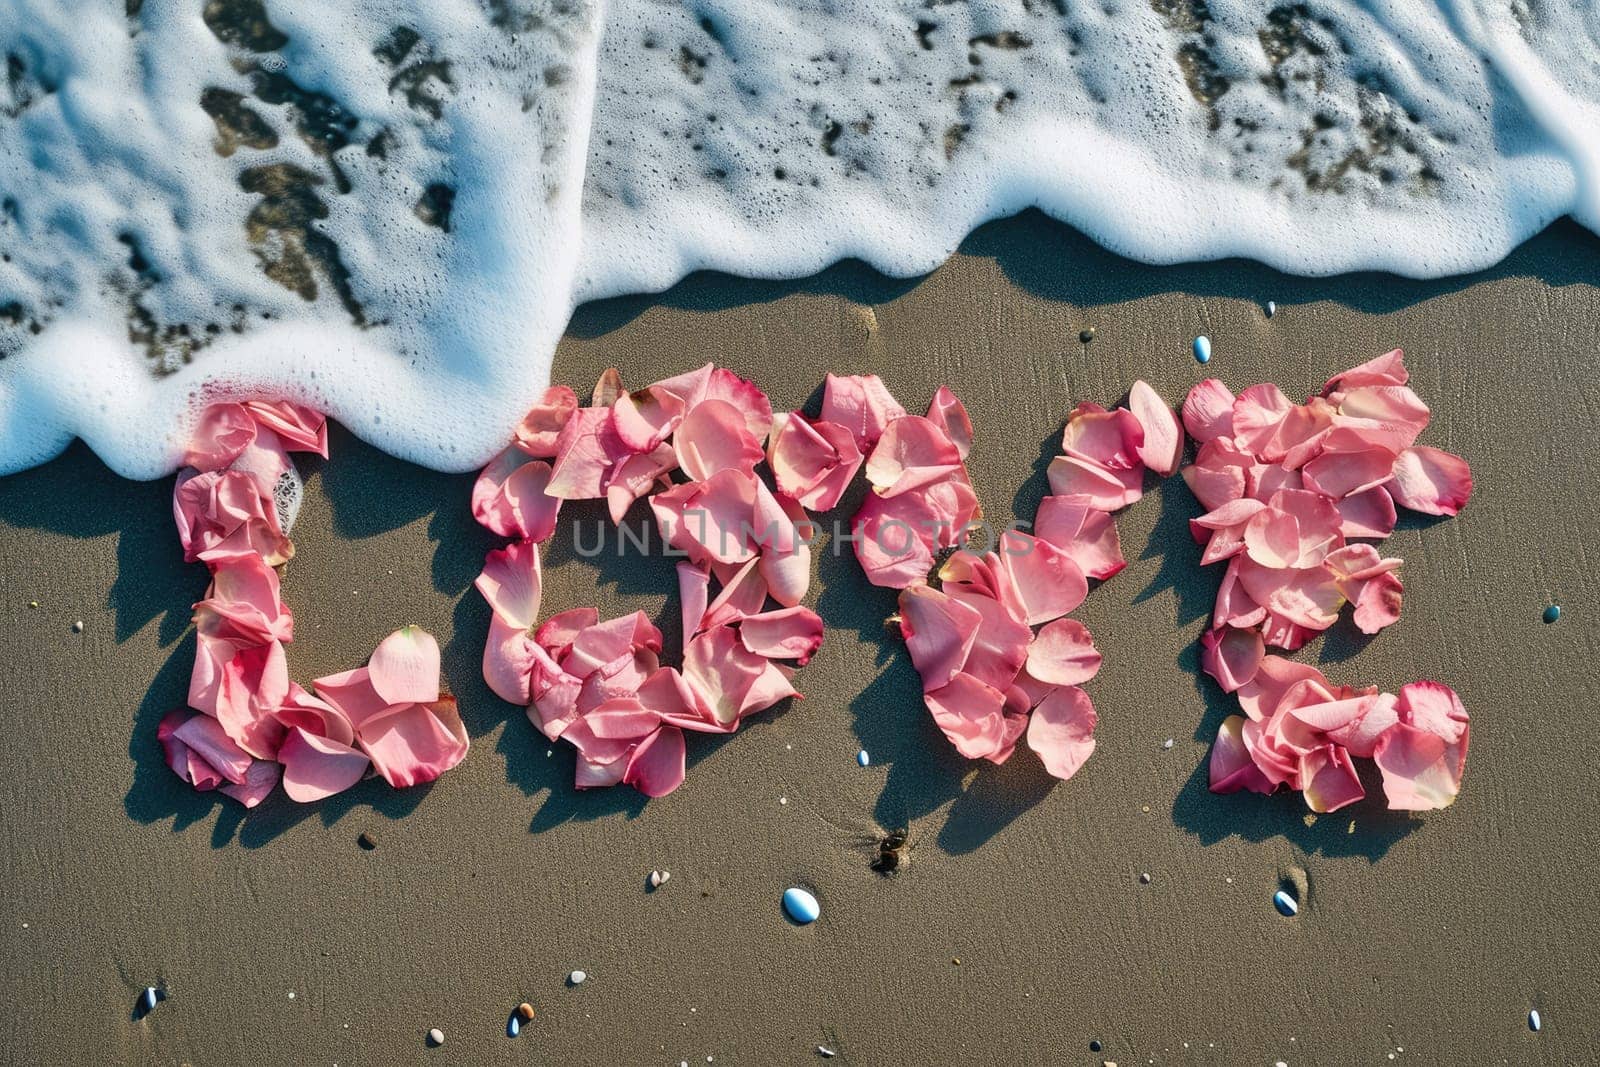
1021, 931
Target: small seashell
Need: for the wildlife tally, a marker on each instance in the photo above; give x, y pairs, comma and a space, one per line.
1534, 1022
525, 1012
1285, 902
577, 978
1202, 349
862, 758
801, 905
1552, 613
659, 878
435, 1037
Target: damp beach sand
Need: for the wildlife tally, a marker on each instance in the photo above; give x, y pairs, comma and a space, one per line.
1436, 935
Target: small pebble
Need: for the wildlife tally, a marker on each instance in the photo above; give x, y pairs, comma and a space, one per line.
1144, 877
862, 758
1534, 1022
1202, 349
367, 841
1272, 308
435, 1037
825, 1052
1094, 1046
801, 905
577, 978
1552, 613
149, 999
525, 1012
1167, 743
1086, 334
1285, 903
77, 627
659, 878
513, 1025
33, 603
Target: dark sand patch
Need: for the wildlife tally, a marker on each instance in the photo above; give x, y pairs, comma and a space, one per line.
485, 889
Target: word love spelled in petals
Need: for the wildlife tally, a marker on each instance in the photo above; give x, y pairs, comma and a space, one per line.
692, 446
247, 725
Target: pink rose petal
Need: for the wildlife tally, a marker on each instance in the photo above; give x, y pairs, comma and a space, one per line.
405, 667
512, 583
222, 434
297, 427
1086, 534
1061, 730
1162, 448
791, 633
1231, 656
1421, 770
1208, 411
813, 463
714, 437
861, 404
541, 427
1081, 481
972, 716
1063, 653
1231, 769
950, 415
1329, 779
1431, 481
415, 743
315, 767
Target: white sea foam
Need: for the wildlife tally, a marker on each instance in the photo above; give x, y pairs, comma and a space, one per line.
390, 209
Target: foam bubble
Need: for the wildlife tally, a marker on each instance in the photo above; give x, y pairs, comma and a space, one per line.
389, 210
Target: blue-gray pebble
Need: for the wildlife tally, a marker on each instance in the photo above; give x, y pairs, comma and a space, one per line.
1285, 903
801, 905
1202, 349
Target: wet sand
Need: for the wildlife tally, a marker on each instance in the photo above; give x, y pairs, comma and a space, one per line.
1021, 931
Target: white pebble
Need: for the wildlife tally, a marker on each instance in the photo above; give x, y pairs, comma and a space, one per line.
862, 758
801, 905
577, 977
151, 995
1272, 308
1167, 743
783, 800
1534, 1022
1285, 903
436, 1037
77, 627
825, 1052
657, 878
